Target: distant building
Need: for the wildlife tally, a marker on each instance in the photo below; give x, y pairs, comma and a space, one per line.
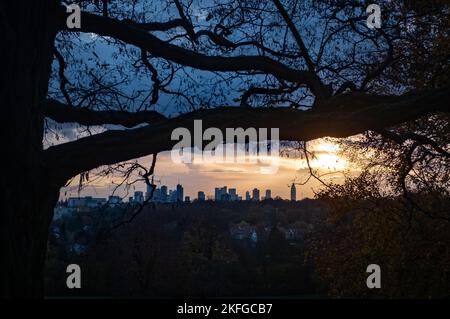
156, 195
291, 233
172, 198
74, 202
163, 194
247, 196
243, 231
216, 193
221, 194
187, 199
293, 192
114, 201
201, 196
139, 197
268, 194
60, 211
148, 192
255, 194
159, 195
254, 236
233, 194
179, 193
87, 201
224, 196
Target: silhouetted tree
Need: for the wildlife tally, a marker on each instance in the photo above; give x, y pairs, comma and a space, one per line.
316, 57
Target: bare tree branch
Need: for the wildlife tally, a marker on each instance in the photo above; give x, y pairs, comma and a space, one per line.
296, 34
132, 34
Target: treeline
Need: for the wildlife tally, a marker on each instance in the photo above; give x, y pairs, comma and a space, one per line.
313, 248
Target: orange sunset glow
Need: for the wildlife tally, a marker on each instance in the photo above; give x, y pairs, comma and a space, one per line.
205, 175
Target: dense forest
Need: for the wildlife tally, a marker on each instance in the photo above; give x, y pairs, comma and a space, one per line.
306, 249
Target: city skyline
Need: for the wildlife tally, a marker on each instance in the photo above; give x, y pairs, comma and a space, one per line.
164, 194
245, 176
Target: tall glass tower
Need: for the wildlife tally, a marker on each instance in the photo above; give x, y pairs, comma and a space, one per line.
179, 193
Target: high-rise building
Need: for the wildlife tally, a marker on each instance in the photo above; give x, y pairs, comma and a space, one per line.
293, 192
226, 197
255, 194
187, 199
163, 193
247, 196
139, 197
172, 196
114, 200
87, 201
268, 194
148, 192
156, 195
233, 194
217, 193
221, 194
201, 196
179, 193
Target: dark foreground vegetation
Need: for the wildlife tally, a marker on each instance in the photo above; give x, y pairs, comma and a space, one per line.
312, 248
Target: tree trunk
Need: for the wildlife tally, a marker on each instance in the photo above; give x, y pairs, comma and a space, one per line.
28, 29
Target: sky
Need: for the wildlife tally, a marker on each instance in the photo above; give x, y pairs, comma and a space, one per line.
205, 176
96, 54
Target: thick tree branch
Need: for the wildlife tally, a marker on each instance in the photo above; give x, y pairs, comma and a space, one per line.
266, 91
160, 26
62, 77
115, 146
63, 113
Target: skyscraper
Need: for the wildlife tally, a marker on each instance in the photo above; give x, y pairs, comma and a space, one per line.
139, 197
247, 196
148, 192
216, 193
233, 195
163, 193
201, 196
268, 194
221, 194
156, 195
179, 193
293, 192
255, 194
172, 196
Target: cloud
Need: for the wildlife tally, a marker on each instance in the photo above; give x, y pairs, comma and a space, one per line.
205, 176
